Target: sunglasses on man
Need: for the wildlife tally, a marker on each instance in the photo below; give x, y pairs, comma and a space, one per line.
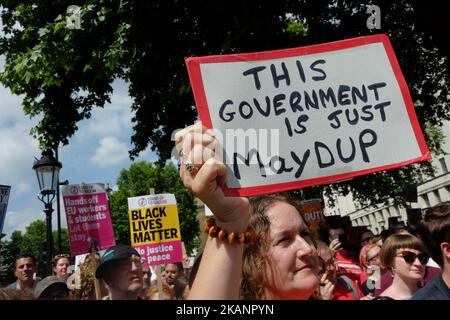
410, 257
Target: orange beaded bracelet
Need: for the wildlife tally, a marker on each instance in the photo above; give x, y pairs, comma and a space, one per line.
215, 231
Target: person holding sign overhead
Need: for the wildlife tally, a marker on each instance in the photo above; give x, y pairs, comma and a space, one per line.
264, 239
287, 119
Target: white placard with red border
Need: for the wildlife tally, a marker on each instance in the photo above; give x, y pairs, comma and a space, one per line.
298, 117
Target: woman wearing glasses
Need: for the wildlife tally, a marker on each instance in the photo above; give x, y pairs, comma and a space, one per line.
405, 256
61, 265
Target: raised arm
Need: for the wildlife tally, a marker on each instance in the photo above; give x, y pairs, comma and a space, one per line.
219, 273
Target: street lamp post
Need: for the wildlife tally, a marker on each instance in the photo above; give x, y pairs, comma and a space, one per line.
47, 172
58, 212
108, 190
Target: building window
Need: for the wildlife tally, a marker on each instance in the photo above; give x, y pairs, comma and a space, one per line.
443, 165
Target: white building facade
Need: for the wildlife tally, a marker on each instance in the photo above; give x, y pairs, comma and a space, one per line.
430, 193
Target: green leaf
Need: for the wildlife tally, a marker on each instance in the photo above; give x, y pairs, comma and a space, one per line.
86, 68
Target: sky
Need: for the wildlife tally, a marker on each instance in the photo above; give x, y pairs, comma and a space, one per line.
95, 154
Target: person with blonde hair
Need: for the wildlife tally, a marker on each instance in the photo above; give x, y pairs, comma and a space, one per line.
87, 290
60, 265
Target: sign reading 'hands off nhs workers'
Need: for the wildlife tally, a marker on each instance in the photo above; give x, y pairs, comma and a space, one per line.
298, 117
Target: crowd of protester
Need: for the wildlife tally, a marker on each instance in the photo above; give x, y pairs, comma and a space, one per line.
352, 264
259, 248
262, 248
120, 274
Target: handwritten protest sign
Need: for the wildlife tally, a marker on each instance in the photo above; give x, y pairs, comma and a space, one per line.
155, 228
88, 218
298, 117
4, 197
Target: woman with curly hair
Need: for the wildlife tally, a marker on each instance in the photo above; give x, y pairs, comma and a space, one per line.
279, 260
282, 263
87, 280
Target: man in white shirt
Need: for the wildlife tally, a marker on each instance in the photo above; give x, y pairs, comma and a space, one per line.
24, 271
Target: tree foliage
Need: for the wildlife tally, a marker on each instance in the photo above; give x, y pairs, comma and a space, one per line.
63, 73
137, 181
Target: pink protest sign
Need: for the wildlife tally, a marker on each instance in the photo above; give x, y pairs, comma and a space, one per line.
161, 253
88, 218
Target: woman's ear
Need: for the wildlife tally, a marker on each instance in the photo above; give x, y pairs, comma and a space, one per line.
391, 268
445, 249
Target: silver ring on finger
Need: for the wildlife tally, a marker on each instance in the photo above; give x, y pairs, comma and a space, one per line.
190, 167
